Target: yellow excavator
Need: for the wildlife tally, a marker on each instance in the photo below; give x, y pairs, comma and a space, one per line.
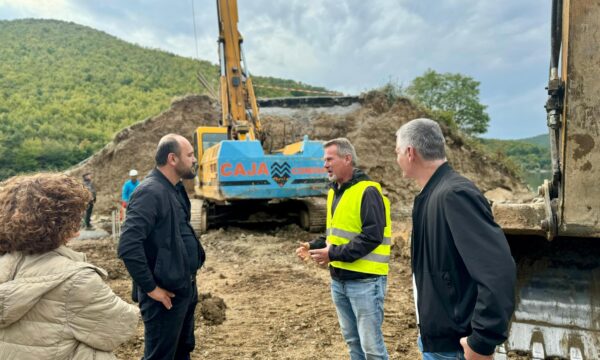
237, 180
556, 240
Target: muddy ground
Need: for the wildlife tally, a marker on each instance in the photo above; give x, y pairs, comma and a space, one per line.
277, 307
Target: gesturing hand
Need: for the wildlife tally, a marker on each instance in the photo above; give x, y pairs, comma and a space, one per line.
320, 256
163, 296
302, 251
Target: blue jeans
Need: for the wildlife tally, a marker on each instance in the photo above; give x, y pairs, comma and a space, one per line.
359, 306
449, 355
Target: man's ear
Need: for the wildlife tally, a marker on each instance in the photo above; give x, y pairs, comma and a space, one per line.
171, 158
411, 153
349, 158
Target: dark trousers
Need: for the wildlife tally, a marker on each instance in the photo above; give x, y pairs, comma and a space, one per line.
169, 334
88, 215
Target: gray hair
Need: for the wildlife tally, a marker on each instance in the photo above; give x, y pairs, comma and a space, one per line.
425, 135
344, 147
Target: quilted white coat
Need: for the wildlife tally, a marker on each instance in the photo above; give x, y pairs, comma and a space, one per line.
56, 306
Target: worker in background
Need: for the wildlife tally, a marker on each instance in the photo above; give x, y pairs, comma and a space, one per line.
357, 249
127, 190
54, 304
87, 219
463, 272
162, 253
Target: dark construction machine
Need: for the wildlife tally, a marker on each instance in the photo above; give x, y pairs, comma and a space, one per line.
556, 241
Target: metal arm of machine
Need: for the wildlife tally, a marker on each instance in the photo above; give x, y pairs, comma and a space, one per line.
554, 108
554, 105
238, 102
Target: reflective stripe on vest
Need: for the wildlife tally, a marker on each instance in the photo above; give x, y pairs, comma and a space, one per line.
346, 224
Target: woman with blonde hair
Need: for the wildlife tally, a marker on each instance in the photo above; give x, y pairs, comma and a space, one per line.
53, 304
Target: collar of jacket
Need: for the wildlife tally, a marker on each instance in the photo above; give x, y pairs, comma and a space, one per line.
357, 175
437, 176
163, 179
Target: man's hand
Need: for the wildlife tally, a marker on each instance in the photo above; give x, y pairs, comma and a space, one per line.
320, 256
163, 296
302, 251
472, 355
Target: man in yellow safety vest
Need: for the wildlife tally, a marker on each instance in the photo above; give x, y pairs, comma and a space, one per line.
356, 246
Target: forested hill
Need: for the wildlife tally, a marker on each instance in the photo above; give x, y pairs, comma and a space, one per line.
66, 89
531, 154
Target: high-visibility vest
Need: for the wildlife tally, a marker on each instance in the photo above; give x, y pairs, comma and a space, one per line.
346, 224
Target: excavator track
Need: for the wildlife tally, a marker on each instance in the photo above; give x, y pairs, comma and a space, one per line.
314, 216
557, 314
199, 216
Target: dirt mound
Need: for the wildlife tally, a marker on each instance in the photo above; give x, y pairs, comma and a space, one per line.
212, 309
134, 147
371, 127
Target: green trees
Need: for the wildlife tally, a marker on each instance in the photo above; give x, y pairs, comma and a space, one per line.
66, 89
451, 95
529, 155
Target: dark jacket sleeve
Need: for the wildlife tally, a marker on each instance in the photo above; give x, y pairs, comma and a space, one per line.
372, 214
142, 213
318, 243
486, 255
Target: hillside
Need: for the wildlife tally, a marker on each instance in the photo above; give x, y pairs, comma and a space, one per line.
530, 154
66, 89
541, 140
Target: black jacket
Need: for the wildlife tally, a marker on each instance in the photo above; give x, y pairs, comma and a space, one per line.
151, 245
372, 214
464, 272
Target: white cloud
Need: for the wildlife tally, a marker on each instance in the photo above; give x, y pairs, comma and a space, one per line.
346, 45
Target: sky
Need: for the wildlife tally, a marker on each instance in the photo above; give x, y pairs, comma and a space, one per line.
350, 45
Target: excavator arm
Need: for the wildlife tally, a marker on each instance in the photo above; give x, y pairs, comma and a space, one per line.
238, 102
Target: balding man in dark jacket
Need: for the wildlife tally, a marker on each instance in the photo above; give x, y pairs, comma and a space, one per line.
163, 254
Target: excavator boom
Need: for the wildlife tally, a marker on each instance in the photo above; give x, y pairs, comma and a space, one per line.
238, 102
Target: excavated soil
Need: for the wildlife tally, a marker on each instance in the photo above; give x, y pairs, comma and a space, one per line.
371, 127
258, 301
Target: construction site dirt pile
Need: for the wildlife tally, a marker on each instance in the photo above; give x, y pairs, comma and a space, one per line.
134, 147
371, 127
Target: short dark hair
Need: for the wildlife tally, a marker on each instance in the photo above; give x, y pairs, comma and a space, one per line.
40, 212
169, 144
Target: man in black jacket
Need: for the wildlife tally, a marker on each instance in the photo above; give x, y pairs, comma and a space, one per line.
162, 253
357, 250
463, 271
